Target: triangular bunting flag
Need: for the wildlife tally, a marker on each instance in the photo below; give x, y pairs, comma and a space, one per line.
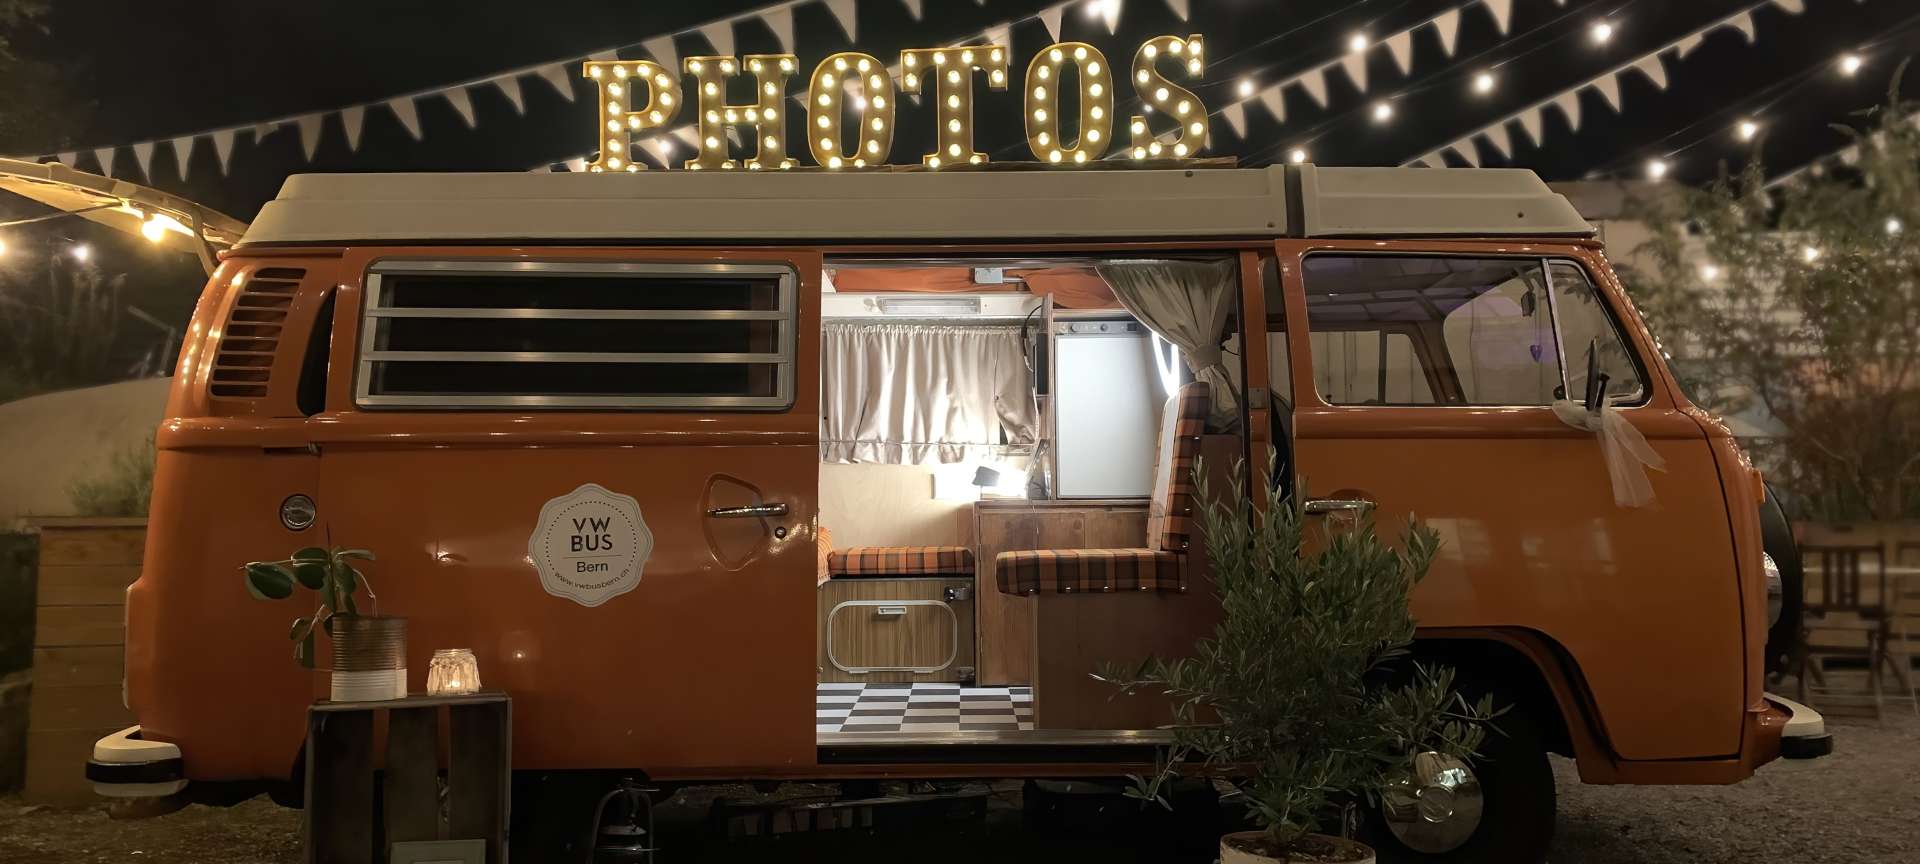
719, 34
183, 154
1464, 149
688, 135
1501, 140
1275, 102
780, 20
1314, 81
607, 56
1179, 7
223, 146
662, 149
1236, 117
1742, 22
1687, 43
577, 164
1355, 62
1502, 13
262, 130
843, 12
509, 85
1651, 67
1793, 7
1609, 86
105, 157
353, 118
409, 116
309, 133
1531, 121
462, 103
1436, 159
560, 77
67, 158
663, 52
1051, 18
1400, 45
913, 8
1851, 155
1448, 25
143, 156
1569, 104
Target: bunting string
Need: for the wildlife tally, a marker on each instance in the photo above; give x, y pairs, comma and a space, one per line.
1531, 119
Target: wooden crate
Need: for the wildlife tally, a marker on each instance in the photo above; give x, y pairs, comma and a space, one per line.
79, 640
340, 781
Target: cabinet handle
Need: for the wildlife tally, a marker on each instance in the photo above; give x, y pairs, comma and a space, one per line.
748, 511
889, 611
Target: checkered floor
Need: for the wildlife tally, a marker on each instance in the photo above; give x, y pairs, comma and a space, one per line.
921, 708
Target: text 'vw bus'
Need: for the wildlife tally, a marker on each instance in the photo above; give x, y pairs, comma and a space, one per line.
874, 469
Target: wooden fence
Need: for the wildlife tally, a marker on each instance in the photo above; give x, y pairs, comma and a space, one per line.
85, 567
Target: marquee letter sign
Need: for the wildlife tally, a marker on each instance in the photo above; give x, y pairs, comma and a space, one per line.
952, 71
1047, 99
619, 83
761, 118
852, 109
872, 98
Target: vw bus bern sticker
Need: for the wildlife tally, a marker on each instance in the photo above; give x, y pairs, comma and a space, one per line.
590, 545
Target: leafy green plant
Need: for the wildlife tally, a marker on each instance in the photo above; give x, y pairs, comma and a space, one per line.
1800, 301
123, 489
327, 571
1305, 687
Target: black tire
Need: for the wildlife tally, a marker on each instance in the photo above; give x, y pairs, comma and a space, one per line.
1776, 538
1517, 788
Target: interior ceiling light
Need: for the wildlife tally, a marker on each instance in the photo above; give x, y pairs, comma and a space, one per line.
1602, 32
929, 306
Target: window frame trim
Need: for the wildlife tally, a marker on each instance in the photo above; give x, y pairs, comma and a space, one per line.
784, 360
1544, 262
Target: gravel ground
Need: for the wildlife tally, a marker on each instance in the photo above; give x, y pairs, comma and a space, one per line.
1862, 804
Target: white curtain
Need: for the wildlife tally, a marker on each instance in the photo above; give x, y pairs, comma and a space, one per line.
1187, 304
920, 394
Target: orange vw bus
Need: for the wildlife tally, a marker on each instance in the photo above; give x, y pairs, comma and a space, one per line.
887, 463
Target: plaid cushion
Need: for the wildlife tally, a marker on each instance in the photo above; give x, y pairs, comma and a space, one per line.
901, 561
1171, 509
1067, 571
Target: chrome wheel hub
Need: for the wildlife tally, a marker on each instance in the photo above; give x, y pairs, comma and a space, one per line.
1438, 808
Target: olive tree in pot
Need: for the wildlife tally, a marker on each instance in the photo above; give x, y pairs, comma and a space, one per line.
369, 651
1304, 695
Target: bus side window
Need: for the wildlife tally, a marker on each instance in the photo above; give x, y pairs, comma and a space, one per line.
311, 398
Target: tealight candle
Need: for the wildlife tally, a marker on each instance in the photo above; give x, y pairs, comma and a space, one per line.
453, 672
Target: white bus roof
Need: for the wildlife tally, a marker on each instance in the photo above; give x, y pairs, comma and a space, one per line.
891, 206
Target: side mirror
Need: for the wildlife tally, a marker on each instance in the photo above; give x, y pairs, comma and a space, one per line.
1596, 379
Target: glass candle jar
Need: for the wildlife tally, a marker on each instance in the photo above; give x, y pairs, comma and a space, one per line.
453, 672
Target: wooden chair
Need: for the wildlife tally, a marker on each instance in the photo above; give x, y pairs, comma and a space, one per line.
1851, 598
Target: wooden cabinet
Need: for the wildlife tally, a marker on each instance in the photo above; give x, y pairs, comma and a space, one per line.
896, 630
1005, 644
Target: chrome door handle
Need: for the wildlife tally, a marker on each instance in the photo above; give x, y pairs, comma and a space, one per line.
749, 511
1318, 506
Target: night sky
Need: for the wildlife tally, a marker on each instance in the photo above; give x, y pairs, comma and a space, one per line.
160, 68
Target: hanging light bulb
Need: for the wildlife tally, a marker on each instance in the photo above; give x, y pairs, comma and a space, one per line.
1709, 272
1809, 254
1893, 227
1358, 42
1850, 64
1601, 32
1382, 112
1483, 82
1657, 169
1297, 156
1748, 129
1246, 87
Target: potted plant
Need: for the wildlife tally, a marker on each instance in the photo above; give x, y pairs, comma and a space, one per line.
1302, 699
369, 651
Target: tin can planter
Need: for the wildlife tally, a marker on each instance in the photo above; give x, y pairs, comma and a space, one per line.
369, 658
1250, 847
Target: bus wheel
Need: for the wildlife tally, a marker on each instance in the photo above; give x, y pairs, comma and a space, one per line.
1499, 810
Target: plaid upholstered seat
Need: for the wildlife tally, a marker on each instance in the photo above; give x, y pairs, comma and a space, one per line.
1159, 567
872, 561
